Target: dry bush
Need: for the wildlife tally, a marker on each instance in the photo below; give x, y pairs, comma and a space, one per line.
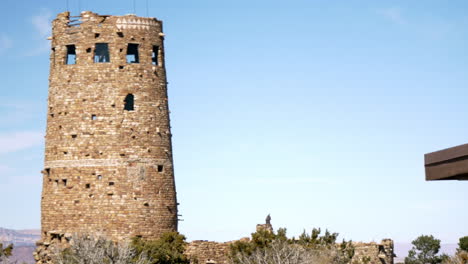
96, 250
282, 252
460, 258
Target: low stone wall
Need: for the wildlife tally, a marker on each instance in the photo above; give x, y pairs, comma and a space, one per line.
210, 252
370, 253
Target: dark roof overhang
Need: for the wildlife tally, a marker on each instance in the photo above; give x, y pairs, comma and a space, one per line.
447, 164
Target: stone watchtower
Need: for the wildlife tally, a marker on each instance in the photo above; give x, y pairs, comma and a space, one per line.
108, 158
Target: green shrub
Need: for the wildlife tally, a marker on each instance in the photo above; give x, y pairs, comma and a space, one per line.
270, 247
463, 243
169, 249
6, 252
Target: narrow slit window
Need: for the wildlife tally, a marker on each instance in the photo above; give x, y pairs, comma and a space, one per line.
155, 56
53, 56
71, 54
129, 102
160, 168
132, 53
101, 53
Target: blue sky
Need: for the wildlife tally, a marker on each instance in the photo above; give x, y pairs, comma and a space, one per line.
318, 112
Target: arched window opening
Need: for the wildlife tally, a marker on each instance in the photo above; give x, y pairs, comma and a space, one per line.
129, 102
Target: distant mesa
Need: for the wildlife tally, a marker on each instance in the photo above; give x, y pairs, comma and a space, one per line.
19, 237
24, 242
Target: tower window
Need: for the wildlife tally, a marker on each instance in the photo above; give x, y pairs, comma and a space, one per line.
71, 54
132, 53
155, 56
129, 102
160, 168
101, 53
53, 56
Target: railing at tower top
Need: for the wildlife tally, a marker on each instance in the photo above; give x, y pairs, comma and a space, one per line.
74, 24
75, 21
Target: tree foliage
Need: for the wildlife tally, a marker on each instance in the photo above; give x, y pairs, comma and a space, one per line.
463, 244
169, 249
275, 248
5, 253
424, 251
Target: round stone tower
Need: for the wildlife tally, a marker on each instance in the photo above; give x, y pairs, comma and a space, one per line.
108, 157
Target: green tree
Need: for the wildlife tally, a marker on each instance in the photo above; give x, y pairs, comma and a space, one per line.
463, 243
169, 249
5, 253
424, 251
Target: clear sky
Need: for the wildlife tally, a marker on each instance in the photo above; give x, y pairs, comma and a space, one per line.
318, 112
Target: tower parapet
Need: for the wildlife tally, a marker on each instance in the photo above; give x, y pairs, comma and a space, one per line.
108, 156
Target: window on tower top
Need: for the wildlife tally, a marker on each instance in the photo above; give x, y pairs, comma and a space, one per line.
129, 102
132, 53
101, 53
71, 55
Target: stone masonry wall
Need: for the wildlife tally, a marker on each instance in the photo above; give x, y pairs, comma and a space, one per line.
209, 252
108, 170
381, 253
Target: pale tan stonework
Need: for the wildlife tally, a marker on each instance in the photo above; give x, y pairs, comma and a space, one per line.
108, 171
